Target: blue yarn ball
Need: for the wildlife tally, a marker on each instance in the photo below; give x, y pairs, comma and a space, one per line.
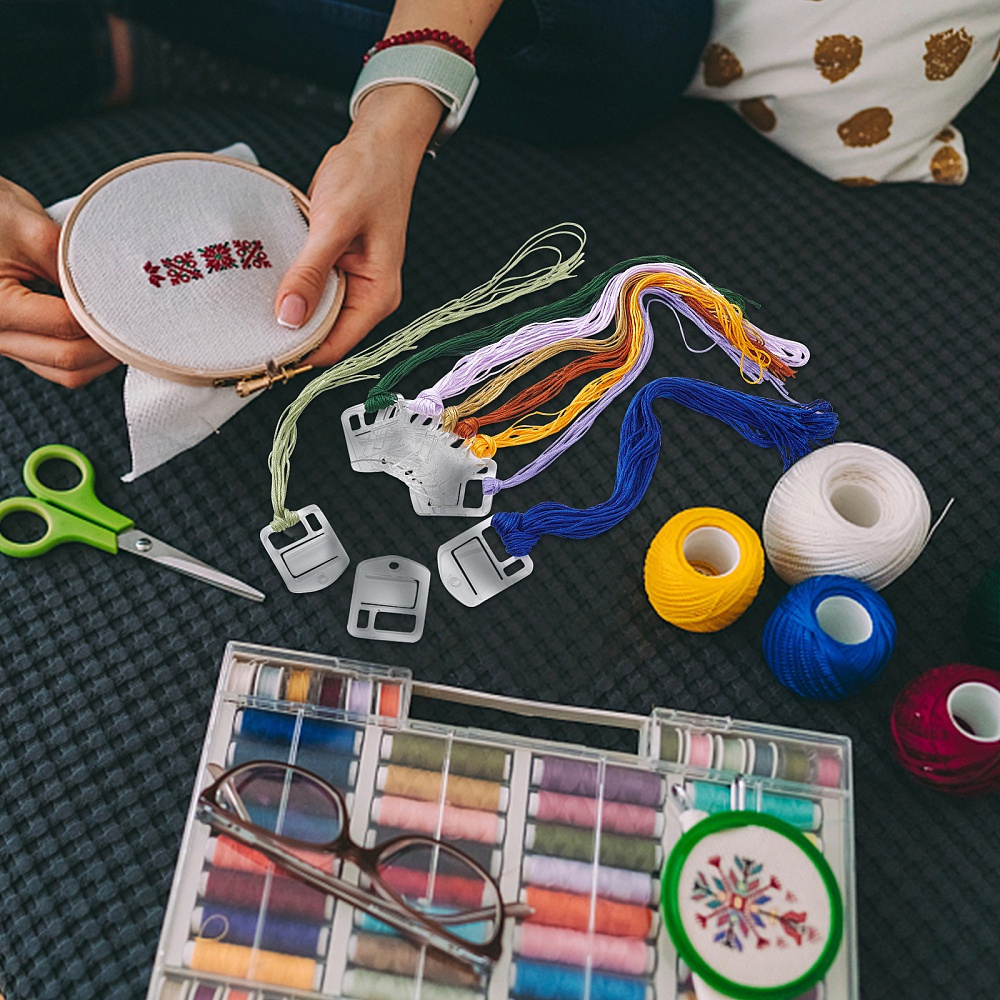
829, 637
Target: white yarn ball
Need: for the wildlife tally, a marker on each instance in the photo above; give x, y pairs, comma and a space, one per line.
846, 509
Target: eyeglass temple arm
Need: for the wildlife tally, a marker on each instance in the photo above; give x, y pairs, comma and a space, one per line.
515, 910
385, 911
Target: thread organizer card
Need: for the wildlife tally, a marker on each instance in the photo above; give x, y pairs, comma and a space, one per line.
557, 846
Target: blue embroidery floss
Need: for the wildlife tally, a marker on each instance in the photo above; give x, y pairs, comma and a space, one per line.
791, 428
829, 637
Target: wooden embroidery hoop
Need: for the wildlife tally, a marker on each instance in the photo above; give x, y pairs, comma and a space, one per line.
279, 368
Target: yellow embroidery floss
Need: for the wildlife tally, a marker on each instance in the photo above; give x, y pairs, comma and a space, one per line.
703, 569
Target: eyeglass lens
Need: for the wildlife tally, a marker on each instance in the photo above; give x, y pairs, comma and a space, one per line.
445, 887
285, 802
430, 879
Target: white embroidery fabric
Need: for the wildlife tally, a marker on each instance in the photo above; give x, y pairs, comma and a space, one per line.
165, 418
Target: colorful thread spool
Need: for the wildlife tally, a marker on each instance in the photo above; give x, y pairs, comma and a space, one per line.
433, 753
256, 964
803, 814
444, 821
242, 674
703, 569
575, 810
617, 850
628, 956
564, 875
583, 913
270, 932
582, 777
848, 510
829, 637
416, 783
390, 954
541, 981
369, 985
982, 619
946, 729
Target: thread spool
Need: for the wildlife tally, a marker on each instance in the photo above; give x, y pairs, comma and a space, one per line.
982, 619
269, 681
242, 674
848, 510
626, 956
829, 637
545, 981
946, 729
703, 569
616, 849
583, 913
298, 684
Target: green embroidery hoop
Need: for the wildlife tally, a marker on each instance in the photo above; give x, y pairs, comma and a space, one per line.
693, 956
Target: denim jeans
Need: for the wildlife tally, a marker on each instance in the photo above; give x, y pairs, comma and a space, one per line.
550, 70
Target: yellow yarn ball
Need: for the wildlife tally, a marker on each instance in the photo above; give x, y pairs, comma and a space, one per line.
703, 569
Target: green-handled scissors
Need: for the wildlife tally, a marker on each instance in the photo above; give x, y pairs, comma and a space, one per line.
76, 515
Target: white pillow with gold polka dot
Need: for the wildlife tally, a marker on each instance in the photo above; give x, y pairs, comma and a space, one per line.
863, 91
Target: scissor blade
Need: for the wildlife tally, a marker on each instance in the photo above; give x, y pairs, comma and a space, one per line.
141, 544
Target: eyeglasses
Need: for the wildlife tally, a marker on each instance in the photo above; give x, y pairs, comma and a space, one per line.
426, 889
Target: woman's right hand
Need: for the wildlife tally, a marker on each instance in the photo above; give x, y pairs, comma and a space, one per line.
37, 329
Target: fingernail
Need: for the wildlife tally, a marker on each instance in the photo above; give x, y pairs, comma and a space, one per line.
292, 311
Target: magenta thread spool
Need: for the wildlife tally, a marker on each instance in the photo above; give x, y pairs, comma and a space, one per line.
946, 729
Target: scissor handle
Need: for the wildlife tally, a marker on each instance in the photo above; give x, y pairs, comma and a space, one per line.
60, 527
79, 499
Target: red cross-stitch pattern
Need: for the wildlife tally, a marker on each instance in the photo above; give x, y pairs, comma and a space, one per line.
153, 270
251, 254
218, 257
181, 268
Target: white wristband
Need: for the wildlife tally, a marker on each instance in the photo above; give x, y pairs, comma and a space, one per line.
449, 77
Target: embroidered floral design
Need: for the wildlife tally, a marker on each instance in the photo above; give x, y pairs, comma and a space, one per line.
182, 268
218, 257
229, 255
742, 905
251, 254
153, 270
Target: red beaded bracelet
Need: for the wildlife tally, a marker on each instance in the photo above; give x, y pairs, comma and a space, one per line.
424, 35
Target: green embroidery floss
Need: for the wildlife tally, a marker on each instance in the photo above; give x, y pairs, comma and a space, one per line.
382, 395
503, 287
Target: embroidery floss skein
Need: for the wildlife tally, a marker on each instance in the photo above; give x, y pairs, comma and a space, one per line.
849, 510
829, 637
381, 394
792, 428
946, 729
982, 619
703, 569
503, 287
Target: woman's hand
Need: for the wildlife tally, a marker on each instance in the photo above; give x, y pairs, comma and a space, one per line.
37, 329
360, 205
